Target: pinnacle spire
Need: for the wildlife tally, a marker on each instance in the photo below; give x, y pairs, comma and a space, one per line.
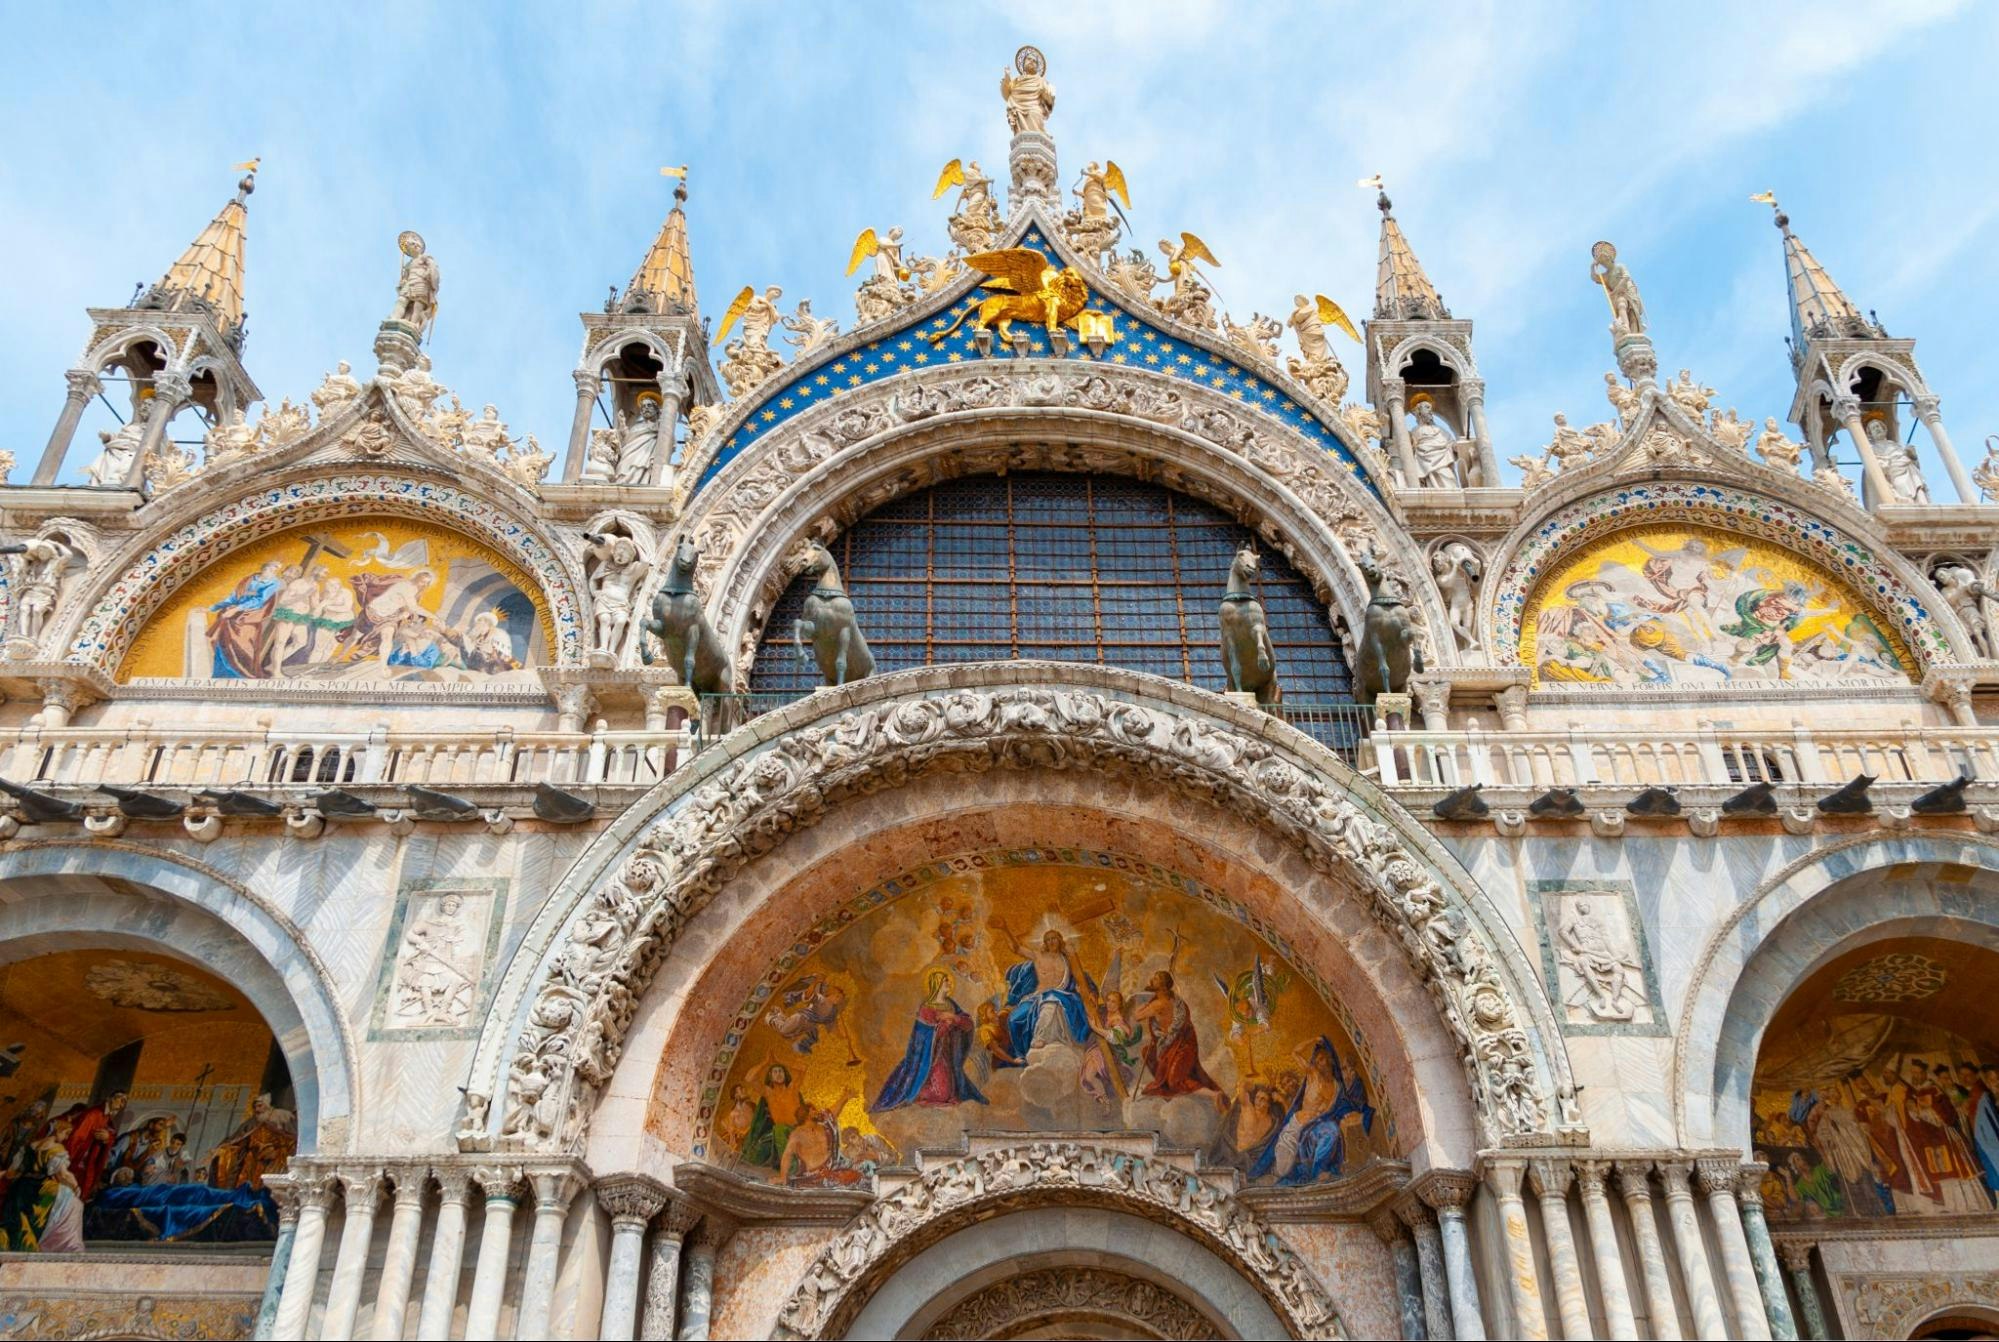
210, 272
664, 281
1402, 292
1819, 307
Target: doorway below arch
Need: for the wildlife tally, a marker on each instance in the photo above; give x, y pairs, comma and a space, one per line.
1066, 1272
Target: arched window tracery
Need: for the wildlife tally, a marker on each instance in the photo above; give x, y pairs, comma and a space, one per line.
1042, 565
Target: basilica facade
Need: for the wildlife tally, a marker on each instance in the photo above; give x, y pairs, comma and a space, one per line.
1043, 808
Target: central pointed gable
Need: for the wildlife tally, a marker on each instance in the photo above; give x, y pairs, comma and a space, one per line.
1145, 340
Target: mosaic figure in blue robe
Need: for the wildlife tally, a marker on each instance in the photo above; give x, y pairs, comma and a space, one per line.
1308, 1145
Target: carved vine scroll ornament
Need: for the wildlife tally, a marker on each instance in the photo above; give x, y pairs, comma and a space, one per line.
995, 1180
591, 986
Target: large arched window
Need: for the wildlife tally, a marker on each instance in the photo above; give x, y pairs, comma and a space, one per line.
1057, 567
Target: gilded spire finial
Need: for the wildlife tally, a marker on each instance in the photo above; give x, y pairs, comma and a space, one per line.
664, 281
210, 272
1402, 292
1819, 307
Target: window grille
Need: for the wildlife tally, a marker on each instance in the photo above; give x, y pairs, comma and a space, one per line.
1057, 567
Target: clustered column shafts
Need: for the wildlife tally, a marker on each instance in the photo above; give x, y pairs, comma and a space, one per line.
650, 1230
447, 1256
361, 1193
1717, 1179
1408, 1272
1610, 1276
1523, 1282
1448, 1193
1688, 1246
1769, 1278
1550, 1181
1797, 1257
1422, 1222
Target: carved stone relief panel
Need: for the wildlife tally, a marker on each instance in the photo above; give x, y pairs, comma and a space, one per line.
443, 949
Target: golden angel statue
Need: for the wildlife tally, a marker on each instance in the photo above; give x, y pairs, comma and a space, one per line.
1026, 287
884, 291
1317, 366
886, 251
1189, 300
1097, 186
975, 220
1029, 97
749, 359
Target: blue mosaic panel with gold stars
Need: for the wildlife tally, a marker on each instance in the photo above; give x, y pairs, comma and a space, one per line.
1139, 344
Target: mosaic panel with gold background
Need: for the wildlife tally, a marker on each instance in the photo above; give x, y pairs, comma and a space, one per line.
1676, 605
1040, 991
141, 1099
1877, 1087
371, 598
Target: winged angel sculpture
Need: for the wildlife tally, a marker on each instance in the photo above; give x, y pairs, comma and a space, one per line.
1026, 288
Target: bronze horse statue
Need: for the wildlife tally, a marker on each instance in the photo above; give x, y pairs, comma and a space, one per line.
692, 648
1247, 656
837, 645
1388, 654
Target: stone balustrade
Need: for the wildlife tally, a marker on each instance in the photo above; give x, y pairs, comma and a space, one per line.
260, 760
1532, 761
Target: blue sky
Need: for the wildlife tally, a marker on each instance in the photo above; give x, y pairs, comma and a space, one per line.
524, 142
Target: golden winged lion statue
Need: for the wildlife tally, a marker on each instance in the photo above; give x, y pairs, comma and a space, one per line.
1027, 288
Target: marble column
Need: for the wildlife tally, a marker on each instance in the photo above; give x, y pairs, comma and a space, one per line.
1530, 1320
587, 385
1879, 491
1610, 1278
1447, 1192
1398, 431
315, 1198
631, 1200
360, 1192
663, 1277
1488, 460
1550, 1181
1769, 1280
170, 393
447, 1256
1928, 410
500, 1186
1797, 1256
1717, 1176
1408, 1277
673, 389
554, 1190
697, 1286
1634, 1182
1429, 1265
286, 1196
83, 384
1695, 1275
392, 1295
